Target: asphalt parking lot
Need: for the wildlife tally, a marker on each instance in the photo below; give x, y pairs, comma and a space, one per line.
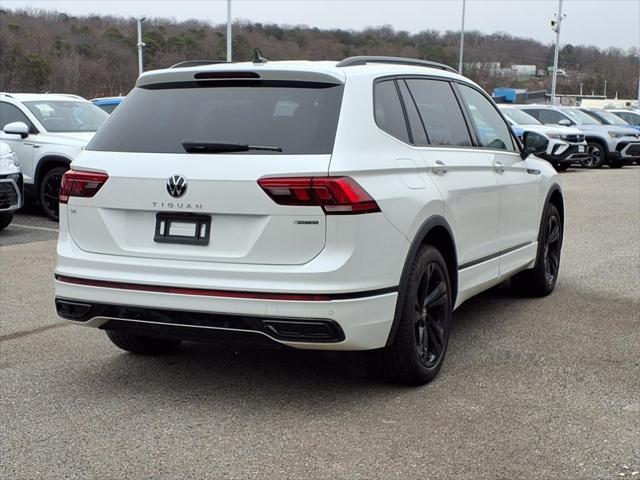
531, 388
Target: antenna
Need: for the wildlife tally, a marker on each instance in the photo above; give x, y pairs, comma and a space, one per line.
257, 58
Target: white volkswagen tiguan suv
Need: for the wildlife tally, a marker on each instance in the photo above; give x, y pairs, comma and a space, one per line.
321, 205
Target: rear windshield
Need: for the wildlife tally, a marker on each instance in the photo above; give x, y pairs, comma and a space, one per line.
297, 117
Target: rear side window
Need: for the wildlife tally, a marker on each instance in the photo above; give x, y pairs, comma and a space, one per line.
440, 112
298, 117
388, 110
492, 129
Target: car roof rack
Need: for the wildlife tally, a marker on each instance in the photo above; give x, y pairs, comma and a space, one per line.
196, 63
363, 60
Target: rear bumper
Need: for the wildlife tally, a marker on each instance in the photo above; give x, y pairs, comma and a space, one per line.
360, 323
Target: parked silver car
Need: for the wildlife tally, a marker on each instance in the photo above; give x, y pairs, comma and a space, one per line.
608, 144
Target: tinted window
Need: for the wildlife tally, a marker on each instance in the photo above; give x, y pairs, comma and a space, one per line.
418, 135
548, 117
10, 113
67, 116
299, 117
440, 112
493, 131
630, 118
388, 110
519, 117
580, 117
108, 108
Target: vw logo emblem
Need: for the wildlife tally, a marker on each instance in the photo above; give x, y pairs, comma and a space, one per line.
177, 186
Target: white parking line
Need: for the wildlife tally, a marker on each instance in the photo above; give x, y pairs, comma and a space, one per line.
34, 227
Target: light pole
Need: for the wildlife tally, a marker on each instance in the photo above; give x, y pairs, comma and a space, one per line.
229, 39
605, 88
555, 25
140, 43
464, 3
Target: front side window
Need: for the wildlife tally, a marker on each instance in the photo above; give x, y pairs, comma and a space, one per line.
611, 118
580, 118
289, 117
493, 131
388, 111
440, 112
10, 113
67, 115
518, 117
548, 117
630, 118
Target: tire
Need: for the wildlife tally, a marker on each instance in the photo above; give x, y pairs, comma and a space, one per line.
5, 220
597, 155
561, 167
142, 345
412, 359
541, 279
49, 190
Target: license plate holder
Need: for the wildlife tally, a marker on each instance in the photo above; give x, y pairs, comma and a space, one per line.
182, 228
581, 149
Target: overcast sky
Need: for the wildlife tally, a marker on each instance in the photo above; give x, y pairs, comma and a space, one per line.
603, 23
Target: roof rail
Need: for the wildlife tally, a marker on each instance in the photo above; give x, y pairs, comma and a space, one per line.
363, 60
6, 94
196, 63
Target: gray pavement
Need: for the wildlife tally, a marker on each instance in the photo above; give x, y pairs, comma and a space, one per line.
531, 388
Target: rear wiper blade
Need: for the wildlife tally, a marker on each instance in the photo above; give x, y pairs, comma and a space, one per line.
193, 146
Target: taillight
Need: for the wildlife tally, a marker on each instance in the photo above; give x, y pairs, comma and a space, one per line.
76, 183
336, 195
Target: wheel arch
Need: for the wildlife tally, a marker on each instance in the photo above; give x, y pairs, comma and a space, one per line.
555, 197
598, 140
46, 163
434, 231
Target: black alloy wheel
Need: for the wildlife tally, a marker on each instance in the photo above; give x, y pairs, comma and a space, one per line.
551, 249
596, 156
418, 346
50, 191
431, 303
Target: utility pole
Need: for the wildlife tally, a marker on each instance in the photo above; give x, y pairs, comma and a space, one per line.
605, 88
638, 105
229, 38
464, 4
556, 24
140, 43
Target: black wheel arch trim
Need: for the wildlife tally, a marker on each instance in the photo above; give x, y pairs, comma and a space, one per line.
47, 160
599, 141
418, 241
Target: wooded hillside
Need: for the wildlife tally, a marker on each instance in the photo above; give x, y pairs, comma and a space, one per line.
96, 56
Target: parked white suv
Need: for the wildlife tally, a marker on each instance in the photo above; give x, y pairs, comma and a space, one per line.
47, 131
321, 205
10, 185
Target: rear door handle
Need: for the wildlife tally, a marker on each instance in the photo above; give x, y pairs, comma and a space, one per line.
440, 168
498, 167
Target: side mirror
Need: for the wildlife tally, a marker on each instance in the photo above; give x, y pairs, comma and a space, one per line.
534, 144
565, 122
17, 128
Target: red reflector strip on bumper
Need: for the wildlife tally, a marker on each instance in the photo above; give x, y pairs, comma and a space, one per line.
295, 297
194, 291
